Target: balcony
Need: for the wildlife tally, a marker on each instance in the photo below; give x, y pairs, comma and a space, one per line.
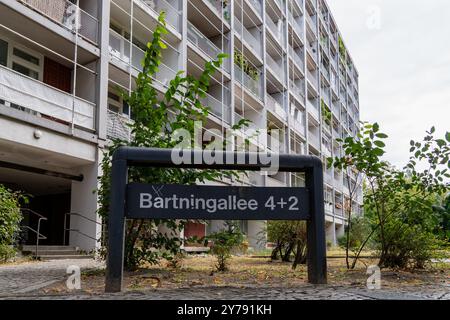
17, 90
313, 109
173, 15
248, 38
64, 13
275, 107
298, 59
277, 32
312, 77
222, 8
217, 108
117, 126
119, 48
297, 90
253, 85
314, 139
296, 25
257, 5
199, 40
298, 126
276, 68
312, 23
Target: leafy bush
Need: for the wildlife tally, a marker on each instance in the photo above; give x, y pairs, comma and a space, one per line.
290, 239
224, 242
10, 218
360, 229
6, 253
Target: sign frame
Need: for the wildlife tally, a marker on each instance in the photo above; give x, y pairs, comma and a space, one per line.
125, 157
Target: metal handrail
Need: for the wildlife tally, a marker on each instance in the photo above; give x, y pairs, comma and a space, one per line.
39, 235
76, 230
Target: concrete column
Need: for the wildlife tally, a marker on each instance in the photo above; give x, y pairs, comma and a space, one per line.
330, 233
84, 202
255, 235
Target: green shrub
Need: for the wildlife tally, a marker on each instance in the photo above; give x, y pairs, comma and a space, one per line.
10, 218
6, 253
224, 242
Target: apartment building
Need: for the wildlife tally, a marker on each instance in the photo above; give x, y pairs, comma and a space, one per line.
59, 100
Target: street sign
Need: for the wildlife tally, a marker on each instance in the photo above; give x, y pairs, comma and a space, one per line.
146, 201
137, 201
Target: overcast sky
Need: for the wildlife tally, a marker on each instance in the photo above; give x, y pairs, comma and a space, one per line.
401, 49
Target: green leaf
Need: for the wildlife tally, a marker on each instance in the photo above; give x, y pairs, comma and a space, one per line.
381, 135
447, 136
441, 143
380, 144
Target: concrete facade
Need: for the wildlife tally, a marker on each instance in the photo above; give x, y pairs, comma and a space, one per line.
59, 103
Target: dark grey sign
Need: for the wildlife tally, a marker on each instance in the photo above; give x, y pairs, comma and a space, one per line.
216, 202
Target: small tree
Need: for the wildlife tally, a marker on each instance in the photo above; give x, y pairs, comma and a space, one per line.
290, 240
10, 218
224, 242
393, 196
156, 118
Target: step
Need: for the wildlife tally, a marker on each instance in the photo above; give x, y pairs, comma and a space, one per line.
65, 257
32, 248
57, 252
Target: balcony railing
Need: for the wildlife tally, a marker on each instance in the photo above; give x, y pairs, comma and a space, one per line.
119, 48
312, 77
298, 126
311, 22
201, 41
298, 59
249, 38
117, 126
45, 101
277, 70
173, 15
313, 108
257, 5
68, 15
222, 10
297, 90
314, 139
255, 86
277, 32
275, 107
216, 107
296, 25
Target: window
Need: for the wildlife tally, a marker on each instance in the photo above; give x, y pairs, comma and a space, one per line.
116, 104
3, 52
21, 59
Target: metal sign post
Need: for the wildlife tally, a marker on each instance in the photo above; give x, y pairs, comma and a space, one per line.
141, 201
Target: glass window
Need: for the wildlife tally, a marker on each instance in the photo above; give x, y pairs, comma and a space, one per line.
26, 71
3, 52
26, 56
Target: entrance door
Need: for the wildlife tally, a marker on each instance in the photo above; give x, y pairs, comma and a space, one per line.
54, 208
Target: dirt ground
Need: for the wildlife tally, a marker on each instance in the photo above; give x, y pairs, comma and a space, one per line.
246, 271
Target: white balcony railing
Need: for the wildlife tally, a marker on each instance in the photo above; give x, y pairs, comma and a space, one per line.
44, 100
297, 90
298, 59
313, 108
311, 22
68, 15
222, 8
248, 37
276, 29
276, 68
314, 139
173, 15
217, 108
119, 48
298, 126
203, 43
275, 107
257, 5
312, 77
117, 126
255, 86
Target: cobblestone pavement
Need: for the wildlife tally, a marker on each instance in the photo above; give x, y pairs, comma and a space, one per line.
32, 276
24, 281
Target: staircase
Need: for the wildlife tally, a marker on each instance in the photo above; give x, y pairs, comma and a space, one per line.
46, 253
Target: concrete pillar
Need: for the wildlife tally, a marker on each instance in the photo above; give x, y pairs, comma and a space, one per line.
330, 233
84, 202
256, 238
